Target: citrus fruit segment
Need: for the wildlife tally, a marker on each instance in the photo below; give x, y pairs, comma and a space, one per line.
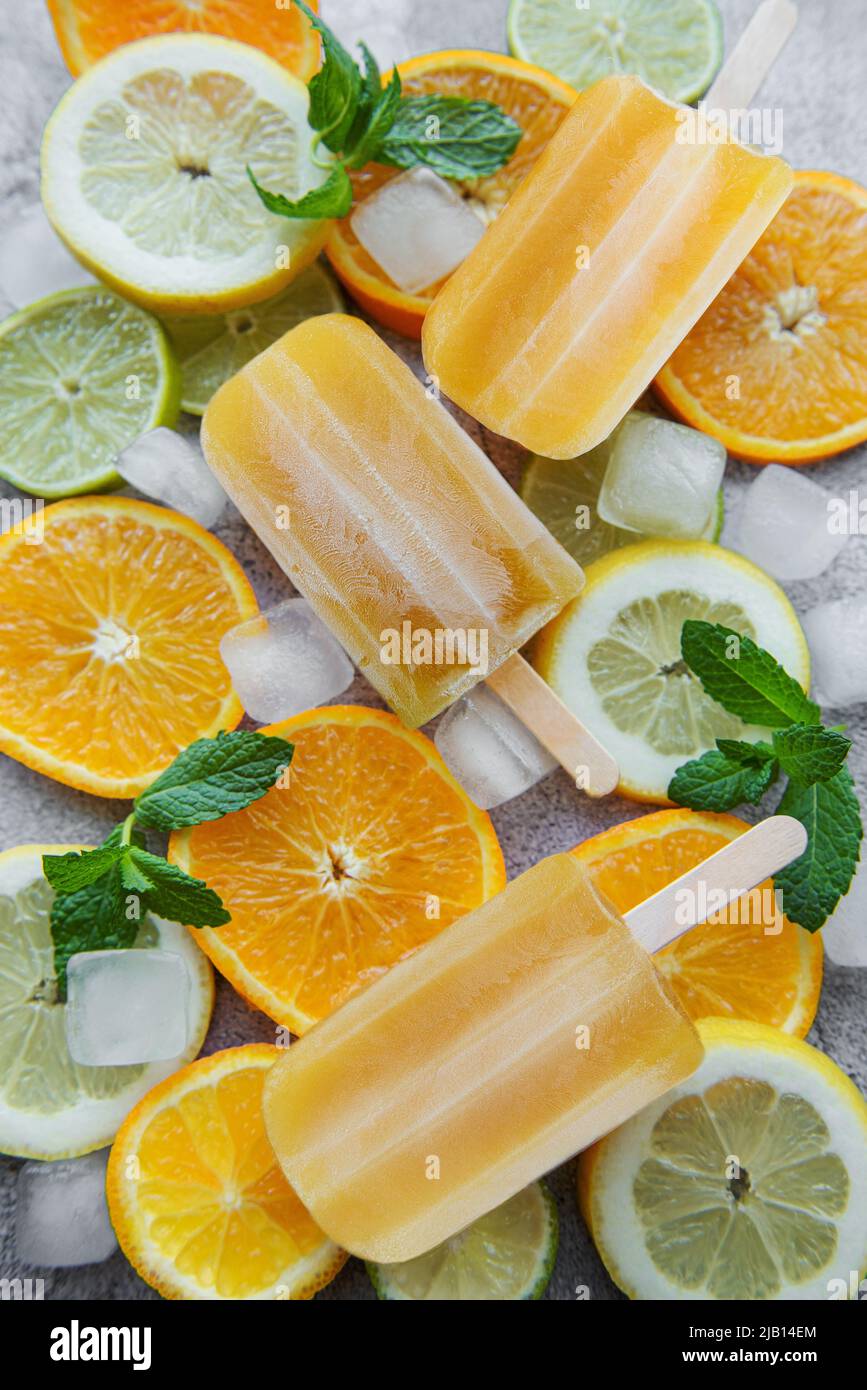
507, 1255
747, 963
777, 367
144, 173
211, 349
535, 99
197, 1199
614, 656
369, 849
746, 1182
676, 48
111, 614
82, 374
50, 1107
89, 29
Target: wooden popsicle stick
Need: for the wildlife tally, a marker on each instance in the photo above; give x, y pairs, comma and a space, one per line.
555, 726
753, 56
721, 879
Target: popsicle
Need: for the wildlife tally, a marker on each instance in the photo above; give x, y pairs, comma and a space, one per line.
604, 258
394, 525
515, 1038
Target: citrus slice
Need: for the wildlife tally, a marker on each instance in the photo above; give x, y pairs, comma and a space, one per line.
89, 29
790, 328
212, 349
50, 1107
82, 374
111, 614
144, 173
196, 1196
748, 1181
370, 849
613, 654
677, 47
535, 99
507, 1255
748, 963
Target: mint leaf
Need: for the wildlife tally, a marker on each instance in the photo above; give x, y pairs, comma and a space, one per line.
336, 90
814, 884
174, 894
717, 782
371, 91
211, 778
378, 122
458, 139
67, 873
809, 753
751, 684
750, 754
93, 919
333, 198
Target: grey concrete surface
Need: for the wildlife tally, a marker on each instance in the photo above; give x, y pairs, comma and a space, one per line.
819, 84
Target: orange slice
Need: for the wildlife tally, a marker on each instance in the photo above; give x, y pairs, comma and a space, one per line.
110, 628
369, 850
777, 367
196, 1196
535, 99
734, 970
88, 29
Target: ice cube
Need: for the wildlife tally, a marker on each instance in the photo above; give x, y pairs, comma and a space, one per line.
784, 525
845, 933
171, 468
285, 661
417, 228
34, 261
126, 1006
62, 1217
490, 752
837, 637
662, 479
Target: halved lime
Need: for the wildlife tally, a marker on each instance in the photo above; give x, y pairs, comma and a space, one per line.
212, 349
82, 374
507, 1255
676, 47
50, 1107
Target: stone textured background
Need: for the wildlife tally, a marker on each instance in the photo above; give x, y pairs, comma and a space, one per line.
819, 84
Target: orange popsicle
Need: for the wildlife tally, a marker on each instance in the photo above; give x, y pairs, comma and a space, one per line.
605, 257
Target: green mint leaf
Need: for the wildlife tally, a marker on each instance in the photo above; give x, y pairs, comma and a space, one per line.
333, 198
211, 778
814, 884
175, 895
132, 877
456, 138
67, 873
93, 919
809, 753
371, 91
716, 782
335, 90
379, 122
750, 754
743, 678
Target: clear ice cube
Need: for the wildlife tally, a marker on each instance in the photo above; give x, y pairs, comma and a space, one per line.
837, 637
285, 661
662, 479
490, 752
124, 1007
34, 261
171, 468
61, 1214
784, 525
844, 935
417, 228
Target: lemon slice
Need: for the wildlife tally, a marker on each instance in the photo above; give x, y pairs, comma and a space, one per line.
144, 173
749, 1181
613, 655
50, 1107
507, 1255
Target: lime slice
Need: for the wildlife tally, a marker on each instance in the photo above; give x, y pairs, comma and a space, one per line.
676, 47
50, 1107
613, 655
748, 1181
82, 374
144, 173
210, 350
507, 1255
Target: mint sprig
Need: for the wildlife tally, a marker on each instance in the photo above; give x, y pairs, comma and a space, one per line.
750, 683
360, 121
101, 894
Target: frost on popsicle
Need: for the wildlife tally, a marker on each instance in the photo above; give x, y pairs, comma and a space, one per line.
784, 525
62, 1214
662, 479
169, 467
285, 661
490, 752
126, 1006
417, 229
